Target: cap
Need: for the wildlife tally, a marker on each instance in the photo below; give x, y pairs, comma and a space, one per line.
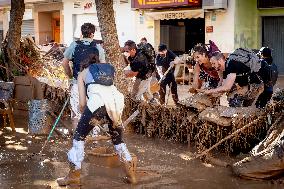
265, 51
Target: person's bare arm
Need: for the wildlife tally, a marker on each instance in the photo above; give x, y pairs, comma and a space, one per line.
82, 89
177, 60
66, 67
227, 85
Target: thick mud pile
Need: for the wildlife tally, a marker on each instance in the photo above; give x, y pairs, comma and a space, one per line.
200, 121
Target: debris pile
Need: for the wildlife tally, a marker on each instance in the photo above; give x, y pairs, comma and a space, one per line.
201, 121
43, 63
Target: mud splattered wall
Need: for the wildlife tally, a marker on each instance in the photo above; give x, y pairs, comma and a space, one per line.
247, 27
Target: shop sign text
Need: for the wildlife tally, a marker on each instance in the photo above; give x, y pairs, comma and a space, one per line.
150, 4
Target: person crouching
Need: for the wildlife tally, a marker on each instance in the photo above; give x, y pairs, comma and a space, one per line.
104, 103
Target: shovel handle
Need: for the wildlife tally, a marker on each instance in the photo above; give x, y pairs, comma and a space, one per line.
130, 118
164, 76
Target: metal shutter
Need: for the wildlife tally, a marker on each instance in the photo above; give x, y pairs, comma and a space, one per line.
273, 37
28, 28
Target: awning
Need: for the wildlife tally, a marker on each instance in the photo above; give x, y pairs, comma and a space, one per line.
167, 15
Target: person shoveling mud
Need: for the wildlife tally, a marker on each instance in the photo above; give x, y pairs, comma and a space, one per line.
105, 104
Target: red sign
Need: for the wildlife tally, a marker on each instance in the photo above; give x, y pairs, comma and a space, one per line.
151, 4
88, 5
209, 29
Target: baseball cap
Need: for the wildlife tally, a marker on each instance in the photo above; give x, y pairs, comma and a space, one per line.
265, 51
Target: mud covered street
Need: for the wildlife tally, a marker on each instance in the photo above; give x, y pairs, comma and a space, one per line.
162, 164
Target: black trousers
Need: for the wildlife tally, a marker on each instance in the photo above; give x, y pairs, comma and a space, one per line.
264, 98
84, 127
171, 82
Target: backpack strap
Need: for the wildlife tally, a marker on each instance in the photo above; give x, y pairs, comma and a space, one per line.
93, 44
79, 42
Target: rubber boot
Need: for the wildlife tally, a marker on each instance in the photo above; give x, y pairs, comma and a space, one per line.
130, 170
72, 178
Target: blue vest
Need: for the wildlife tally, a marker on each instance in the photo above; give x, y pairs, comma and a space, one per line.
100, 73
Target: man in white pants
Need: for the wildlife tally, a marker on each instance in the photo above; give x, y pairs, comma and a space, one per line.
79, 52
140, 68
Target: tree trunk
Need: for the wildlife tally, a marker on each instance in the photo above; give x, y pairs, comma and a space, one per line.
14, 33
106, 19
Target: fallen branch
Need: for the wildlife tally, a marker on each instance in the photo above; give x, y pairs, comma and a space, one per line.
228, 137
275, 124
7, 70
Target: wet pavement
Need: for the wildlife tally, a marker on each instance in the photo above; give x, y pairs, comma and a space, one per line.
162, 164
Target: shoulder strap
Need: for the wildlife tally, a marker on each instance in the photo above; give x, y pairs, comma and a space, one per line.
93, 43
79, 42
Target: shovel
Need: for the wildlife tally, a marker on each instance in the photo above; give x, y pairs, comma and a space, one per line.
156, 86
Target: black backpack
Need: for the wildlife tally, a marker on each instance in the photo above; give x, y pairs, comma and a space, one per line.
83, 54
268, 73
148, 50
247, 57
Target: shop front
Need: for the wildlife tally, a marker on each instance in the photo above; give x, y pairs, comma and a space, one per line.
180, 30
178, 24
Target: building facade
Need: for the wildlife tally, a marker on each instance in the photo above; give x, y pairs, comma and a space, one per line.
229, 23
261, 23
78, 12
178, 23
184, 23
60, 20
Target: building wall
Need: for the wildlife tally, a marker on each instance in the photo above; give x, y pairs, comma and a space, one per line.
223, 27
126, 22
247, 24
124, 17
5, 22
145, 27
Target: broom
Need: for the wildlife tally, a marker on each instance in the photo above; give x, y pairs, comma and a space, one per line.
54, 125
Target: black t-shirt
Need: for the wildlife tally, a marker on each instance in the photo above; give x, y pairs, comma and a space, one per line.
263, 70
240, 69
165, 61
139, 64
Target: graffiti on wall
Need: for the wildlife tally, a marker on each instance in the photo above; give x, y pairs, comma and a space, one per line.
244, 40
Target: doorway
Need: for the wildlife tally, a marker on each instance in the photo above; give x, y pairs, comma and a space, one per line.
56, 30
180, 35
